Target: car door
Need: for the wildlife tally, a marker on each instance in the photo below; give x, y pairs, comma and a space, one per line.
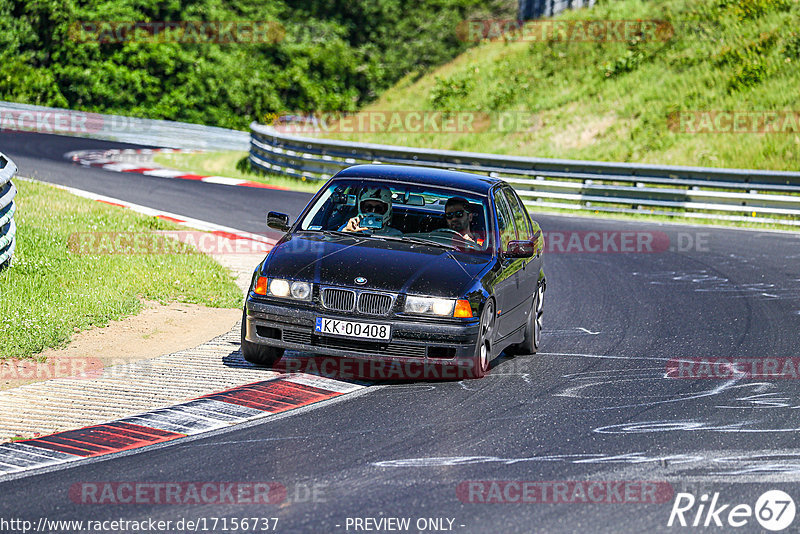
508, 284
528, 275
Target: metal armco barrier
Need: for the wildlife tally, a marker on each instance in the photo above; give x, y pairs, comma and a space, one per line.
698, 192
159, 133
8, 228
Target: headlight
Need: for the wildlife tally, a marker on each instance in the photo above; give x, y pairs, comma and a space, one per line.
301, 290
429, 305
279, 287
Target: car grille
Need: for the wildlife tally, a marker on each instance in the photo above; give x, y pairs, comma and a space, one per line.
374, 303
343, 300
300, 338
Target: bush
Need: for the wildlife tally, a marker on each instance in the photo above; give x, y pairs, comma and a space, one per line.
747, 75
334, 55
446, 91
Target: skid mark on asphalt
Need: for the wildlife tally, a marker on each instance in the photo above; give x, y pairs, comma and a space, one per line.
574, 331
703, 282
745, 465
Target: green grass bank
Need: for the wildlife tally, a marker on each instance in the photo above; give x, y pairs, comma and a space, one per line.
51, 292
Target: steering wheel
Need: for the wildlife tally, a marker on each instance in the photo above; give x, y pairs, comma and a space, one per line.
457, 235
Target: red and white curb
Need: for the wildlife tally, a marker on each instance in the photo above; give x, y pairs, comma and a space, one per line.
204, 414
115, 160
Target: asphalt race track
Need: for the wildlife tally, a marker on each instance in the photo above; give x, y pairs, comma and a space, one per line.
595, 406
41, 156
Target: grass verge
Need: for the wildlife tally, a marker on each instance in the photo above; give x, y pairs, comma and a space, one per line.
229, 164
49, 293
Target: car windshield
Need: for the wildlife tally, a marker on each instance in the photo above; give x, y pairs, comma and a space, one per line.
415, 213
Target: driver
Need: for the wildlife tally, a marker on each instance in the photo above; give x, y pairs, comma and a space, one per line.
375, 200
458, 217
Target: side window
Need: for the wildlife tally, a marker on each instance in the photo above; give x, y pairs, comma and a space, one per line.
504, 220
520, 214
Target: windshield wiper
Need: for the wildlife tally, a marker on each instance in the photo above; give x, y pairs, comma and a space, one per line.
336, 233
407, 239
417, 240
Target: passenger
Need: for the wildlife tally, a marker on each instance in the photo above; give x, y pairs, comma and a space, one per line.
374, 200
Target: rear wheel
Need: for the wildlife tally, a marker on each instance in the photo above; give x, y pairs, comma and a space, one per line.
256, 353
483, 345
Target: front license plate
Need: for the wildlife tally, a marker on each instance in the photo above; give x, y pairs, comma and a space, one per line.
336, 327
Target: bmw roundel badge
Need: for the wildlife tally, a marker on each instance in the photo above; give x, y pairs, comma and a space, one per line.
360, 280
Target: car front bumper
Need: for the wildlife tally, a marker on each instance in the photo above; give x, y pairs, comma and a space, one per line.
412, 340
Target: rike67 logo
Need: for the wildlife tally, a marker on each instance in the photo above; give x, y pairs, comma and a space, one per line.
774, 510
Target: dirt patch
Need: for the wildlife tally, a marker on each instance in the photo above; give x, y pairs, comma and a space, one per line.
582, 133
157, 330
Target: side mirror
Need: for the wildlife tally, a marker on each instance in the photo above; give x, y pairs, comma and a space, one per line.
278, 221
520, 249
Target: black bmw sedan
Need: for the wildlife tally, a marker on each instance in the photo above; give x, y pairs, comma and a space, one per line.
401, 264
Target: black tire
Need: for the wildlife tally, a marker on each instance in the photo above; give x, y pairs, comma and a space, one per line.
533, 328
483, 345
258, 354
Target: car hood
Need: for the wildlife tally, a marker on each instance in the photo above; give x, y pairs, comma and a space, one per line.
391, 266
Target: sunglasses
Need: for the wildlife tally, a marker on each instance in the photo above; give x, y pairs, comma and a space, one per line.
457, 214
373, 207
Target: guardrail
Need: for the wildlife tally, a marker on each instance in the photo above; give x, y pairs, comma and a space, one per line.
8, 227
154, 132
695, 192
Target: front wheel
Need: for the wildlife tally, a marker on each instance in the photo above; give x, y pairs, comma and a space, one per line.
483, 345
533, 328
255, 353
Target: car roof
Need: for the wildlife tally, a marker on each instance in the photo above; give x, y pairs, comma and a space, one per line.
422, 175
